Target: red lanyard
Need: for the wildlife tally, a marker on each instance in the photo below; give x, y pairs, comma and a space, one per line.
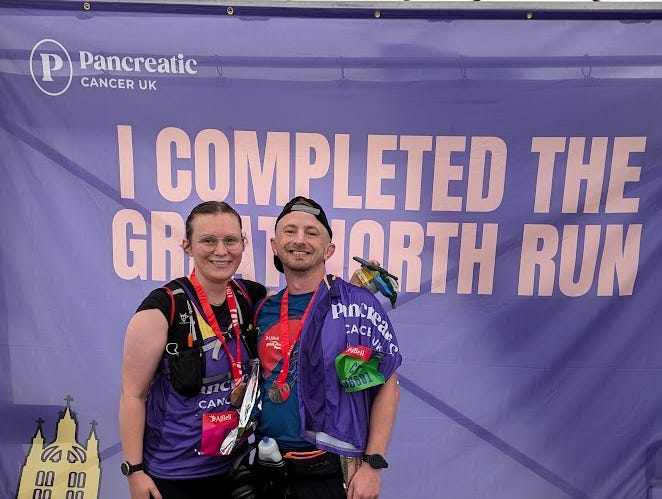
235, 362
286, 346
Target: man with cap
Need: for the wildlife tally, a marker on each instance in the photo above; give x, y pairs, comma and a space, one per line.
329, 355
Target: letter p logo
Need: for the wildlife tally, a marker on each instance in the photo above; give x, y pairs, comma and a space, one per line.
51, 67
50, 62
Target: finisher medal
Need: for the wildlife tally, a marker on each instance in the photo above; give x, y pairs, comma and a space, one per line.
247, 414
279, 392
237, 395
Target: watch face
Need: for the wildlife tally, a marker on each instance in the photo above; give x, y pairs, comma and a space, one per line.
127, 468
375, 461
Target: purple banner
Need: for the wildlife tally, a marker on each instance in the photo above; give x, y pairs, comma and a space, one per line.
509, 171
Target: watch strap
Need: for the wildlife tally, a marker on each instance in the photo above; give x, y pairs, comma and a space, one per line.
128, 468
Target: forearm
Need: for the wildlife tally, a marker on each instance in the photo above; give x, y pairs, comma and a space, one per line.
366, 482
382, 417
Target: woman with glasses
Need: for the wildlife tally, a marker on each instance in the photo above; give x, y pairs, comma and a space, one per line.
186, 362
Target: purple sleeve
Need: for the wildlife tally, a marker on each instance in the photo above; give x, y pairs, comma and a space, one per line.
383, 338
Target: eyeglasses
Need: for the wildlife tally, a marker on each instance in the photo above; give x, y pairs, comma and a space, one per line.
231, 243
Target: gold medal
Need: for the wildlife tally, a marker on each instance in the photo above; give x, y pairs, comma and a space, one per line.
279, 392
237, 395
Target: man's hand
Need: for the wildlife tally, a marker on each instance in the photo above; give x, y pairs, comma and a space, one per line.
355, 280
141, 486
365, 484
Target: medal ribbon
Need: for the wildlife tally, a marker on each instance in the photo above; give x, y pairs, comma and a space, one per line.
235, 362
286, 345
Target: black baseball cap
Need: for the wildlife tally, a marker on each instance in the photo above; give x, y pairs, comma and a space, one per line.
306, 205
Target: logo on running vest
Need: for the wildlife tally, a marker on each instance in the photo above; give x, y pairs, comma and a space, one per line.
184, 318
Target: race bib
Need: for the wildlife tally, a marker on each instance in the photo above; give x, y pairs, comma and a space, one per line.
358, 368
215, 427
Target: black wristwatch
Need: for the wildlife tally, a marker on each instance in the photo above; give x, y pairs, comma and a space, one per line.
376, 461
127, 468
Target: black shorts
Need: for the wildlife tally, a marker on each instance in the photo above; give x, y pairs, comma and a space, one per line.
217, 486
318, 477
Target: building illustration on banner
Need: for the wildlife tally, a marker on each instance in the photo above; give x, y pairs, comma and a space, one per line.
64, 468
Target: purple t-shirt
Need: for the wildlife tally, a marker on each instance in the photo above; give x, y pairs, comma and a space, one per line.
173, 425
327, 417
342, 315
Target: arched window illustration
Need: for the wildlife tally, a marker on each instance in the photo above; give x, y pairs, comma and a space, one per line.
50, 477
76, 480
39, 480
52, 454
76, 455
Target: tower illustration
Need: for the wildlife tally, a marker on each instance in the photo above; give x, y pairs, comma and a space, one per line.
64, 468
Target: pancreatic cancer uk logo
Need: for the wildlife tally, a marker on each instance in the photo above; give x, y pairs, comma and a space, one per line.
51, 67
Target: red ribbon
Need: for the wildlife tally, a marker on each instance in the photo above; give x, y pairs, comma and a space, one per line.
235, 362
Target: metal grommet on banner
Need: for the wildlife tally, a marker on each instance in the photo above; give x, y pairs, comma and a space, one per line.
230, 11
86, 6
529, 15
377, 14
